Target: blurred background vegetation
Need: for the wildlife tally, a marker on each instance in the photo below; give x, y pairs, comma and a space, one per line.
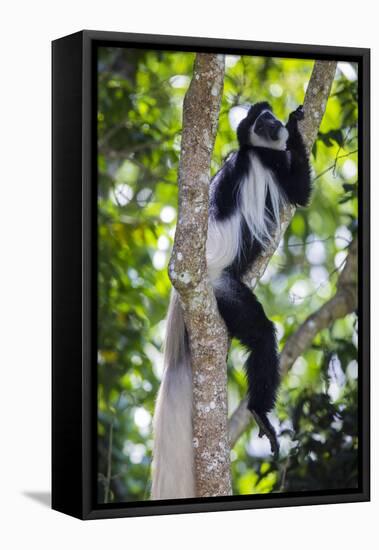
140, 96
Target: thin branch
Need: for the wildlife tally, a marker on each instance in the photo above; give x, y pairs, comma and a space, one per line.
284, 473
295, 297
108, 477
343, 302
126, 152
341, 146
326, 239
333, 166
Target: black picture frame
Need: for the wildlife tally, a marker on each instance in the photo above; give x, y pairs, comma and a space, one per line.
74, 331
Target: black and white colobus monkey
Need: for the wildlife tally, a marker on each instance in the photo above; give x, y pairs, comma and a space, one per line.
270, 168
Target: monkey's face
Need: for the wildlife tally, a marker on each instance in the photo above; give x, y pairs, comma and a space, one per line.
261, 128
268, 131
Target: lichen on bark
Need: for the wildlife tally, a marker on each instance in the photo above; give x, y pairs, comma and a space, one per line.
208, 338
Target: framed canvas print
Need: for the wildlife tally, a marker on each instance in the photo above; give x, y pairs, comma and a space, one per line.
210, 275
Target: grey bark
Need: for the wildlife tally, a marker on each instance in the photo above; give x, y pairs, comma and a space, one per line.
208, 338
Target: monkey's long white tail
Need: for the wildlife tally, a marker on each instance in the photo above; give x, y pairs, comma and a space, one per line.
173, 468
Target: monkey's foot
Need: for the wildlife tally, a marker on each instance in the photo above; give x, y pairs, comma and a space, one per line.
266, 428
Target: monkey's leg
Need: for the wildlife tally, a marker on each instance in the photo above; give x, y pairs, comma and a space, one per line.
247, 321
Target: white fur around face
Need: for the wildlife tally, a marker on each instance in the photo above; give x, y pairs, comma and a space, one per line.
278, 144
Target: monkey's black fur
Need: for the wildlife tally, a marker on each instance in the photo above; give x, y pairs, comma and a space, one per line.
240, 309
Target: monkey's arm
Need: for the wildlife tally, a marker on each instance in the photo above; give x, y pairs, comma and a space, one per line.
297, 182
291, 167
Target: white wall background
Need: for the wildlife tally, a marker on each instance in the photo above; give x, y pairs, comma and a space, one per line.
27, 29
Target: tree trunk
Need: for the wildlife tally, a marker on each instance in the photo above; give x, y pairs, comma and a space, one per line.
188, 273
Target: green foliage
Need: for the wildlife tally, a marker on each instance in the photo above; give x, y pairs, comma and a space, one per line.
140, 96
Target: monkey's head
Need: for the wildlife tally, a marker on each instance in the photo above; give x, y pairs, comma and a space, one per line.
261, 128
